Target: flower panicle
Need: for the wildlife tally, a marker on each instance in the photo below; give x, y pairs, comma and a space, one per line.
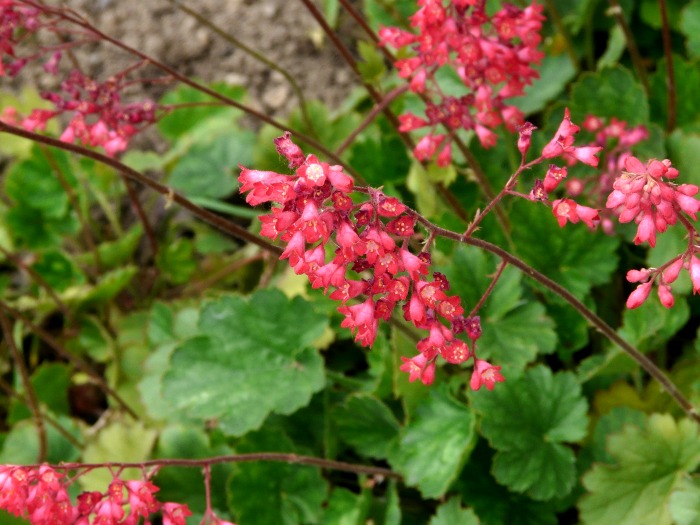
359, 252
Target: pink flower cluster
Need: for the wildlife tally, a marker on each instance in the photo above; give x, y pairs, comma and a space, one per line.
642, 195
562, 145
493, 56
40, 495
98, 117
616, 139
15, 22
317, 216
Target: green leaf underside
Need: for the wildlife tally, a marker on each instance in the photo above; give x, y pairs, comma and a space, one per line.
254, 360
528, 420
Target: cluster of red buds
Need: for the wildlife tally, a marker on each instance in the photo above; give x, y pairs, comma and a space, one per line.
493, 56
16, 22
642, 195
370, 239
98, 117
40, 495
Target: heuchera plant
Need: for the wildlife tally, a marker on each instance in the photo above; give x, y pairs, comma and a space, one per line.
377, 254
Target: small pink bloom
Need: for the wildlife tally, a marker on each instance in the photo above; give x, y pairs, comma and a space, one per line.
671, 273
639, 295
485, 374
665, 295
695, 273
418, 367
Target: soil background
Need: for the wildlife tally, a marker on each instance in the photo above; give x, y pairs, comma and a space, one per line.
282, 30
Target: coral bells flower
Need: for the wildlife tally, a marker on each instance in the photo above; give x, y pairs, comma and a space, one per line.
493, 55
419, 367
98, 116
485, 374
642, 195
360, 251
568, 210
40, 495
563, 144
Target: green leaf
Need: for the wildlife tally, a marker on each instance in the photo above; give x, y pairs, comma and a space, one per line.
185, 485
32, 183
650, 464
51, 382
58, 270
21, 446
555, 72
690, 27
109, 285
451, 513
115, 253
528, 420
267, 492
514, 332
616, 46
372, 66
651, 325
382, 160
255, 359
121, 439
345, 508
436, 443
176, 260
493, 503
573, 256
684, 148
168, 326
685, 504
185, 119
687, 77
392, 510
426, 197
612, 92
368, 425
9, 519
207, 169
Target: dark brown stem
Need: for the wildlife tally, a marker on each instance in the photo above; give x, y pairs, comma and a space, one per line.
26, 383
496, 199
670, 77
499, 271
171, 196
616, 11
581, 308
140, 213
376, 110
294, 459
68, 356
